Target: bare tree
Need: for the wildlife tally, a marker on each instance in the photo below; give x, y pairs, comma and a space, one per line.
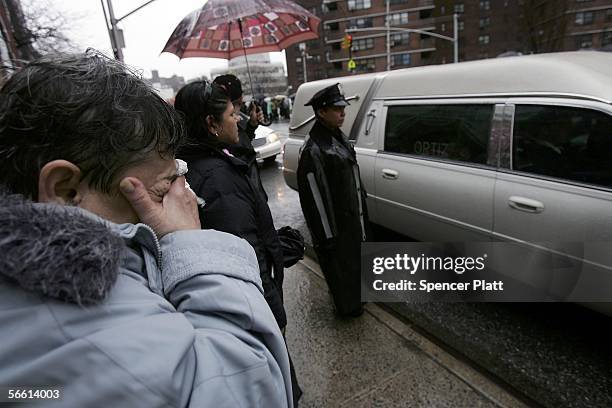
544, 23
45, 28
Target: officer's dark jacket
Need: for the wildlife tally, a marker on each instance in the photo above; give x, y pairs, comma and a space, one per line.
331, 160
234, 204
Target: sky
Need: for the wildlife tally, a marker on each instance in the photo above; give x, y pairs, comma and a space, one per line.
145, 33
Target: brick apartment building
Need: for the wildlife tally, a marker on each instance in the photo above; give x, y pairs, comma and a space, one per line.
486, 28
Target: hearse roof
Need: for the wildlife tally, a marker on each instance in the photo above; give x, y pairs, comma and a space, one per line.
579, 73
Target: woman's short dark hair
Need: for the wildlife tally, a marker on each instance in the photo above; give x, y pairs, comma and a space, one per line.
85, 108
196, 101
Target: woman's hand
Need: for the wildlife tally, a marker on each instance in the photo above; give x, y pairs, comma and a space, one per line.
178, 210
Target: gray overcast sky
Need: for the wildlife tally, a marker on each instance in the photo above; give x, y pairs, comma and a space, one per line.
145, 33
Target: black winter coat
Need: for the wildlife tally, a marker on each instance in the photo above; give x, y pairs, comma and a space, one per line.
234, 204
333, 203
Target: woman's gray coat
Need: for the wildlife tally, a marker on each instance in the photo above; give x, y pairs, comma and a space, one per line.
114, 317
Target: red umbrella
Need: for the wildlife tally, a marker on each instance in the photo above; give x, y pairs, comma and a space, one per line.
230, 28
216, 29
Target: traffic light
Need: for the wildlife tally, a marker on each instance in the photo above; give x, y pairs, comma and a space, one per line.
347, 41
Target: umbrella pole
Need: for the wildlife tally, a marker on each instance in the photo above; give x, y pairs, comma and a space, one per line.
246, 58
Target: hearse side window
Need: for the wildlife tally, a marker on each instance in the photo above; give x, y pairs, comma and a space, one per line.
451, 132
563, 142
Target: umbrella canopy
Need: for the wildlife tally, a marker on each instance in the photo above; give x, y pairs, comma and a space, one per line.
231, 28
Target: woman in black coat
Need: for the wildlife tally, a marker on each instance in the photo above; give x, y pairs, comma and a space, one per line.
233, 201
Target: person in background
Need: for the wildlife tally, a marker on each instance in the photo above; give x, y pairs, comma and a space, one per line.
110, 293
234, 202
333, 200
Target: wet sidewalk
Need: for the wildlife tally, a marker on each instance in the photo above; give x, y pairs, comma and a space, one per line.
374, 360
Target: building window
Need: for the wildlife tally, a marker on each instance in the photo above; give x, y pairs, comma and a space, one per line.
485, 22
424, 14
400, 39
332, 26
485, 5
607, 38
442, 10
359, 4
392, 2
400, 59
338, 66
398, 18
459, 8
460, 26
584, 41
326, 7
483, 39
365, 65
336, 46
360, 23
584, 18
363, 44
298, 59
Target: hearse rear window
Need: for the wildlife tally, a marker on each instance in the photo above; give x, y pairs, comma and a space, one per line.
563, 142
451, 132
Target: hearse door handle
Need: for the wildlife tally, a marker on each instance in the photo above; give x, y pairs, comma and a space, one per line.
390, 174
525, 204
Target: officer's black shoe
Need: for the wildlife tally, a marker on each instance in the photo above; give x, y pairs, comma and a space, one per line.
353, 313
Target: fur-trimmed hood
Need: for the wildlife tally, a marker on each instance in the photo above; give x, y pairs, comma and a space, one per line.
57, 251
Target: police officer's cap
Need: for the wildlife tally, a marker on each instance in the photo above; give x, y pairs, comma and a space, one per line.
330, 96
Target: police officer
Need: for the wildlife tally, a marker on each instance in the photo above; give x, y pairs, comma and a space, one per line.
333, 200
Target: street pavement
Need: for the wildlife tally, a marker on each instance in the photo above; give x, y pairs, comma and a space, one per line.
374, 360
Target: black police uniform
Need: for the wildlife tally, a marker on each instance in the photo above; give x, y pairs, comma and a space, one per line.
333, 203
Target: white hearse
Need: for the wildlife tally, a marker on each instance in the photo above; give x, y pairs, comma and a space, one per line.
514, 149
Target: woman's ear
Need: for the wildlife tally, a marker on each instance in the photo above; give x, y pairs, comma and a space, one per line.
58, 182
211, 126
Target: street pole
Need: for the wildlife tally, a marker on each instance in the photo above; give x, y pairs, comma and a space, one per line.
114, 33
304, 66
387, 24
455, 37
303, 49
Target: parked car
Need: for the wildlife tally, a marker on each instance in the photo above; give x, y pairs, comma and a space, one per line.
517, 150
267, 144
